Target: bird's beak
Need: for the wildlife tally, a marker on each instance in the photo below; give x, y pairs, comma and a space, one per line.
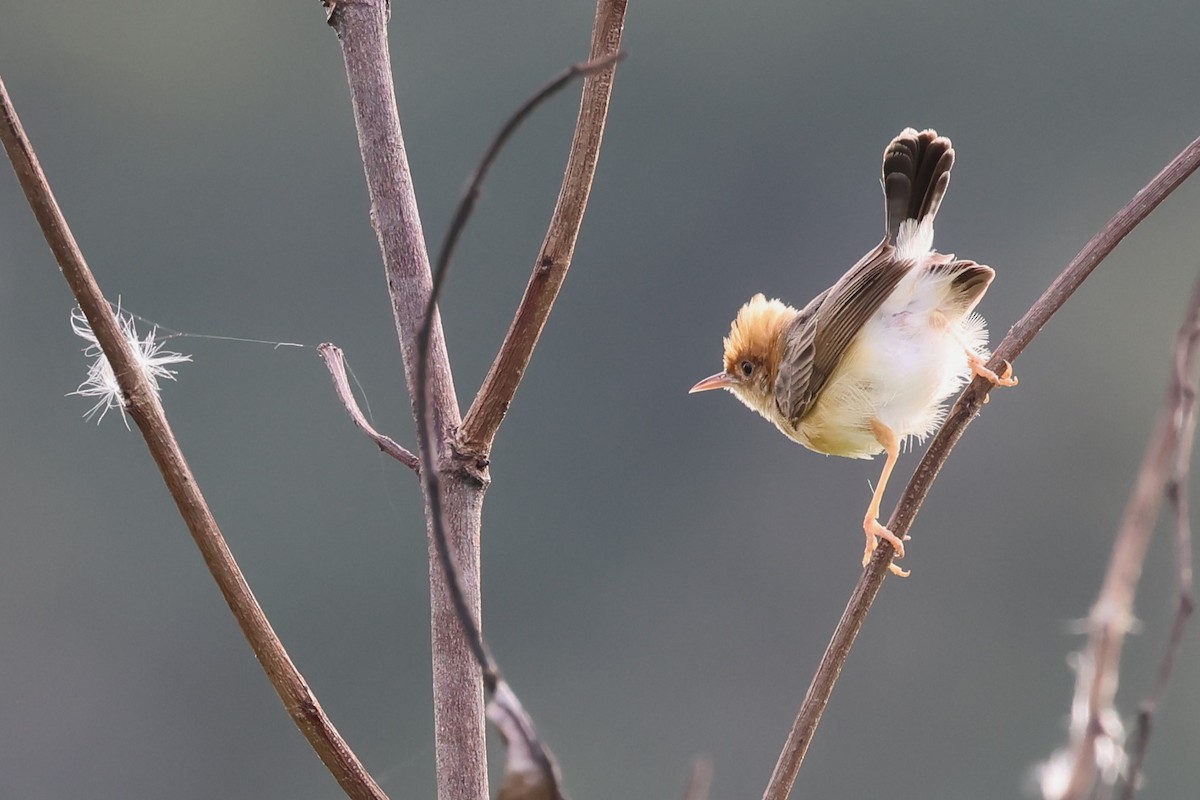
719, 381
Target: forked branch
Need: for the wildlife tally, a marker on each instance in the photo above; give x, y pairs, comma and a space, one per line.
454, 470
965, 409
530, 769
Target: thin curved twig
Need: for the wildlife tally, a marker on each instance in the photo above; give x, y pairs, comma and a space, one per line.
491, 403
142, 404
466, 203
335, 362
964, 411
531, 769
474, 635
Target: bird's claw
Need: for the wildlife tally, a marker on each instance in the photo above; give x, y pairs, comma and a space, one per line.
874, 532
1006, 378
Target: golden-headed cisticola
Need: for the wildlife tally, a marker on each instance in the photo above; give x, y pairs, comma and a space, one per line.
870, 361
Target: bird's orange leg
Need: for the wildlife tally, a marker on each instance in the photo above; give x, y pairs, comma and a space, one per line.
978, 365
871, 527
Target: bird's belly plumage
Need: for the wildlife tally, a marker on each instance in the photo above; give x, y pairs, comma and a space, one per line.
900, 368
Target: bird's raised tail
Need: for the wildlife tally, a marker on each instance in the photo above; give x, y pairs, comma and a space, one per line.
916, 172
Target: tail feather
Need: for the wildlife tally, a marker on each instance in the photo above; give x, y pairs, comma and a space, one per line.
916, 173
968, 283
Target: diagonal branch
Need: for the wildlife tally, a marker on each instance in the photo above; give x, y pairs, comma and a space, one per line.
554, 259
142, 403
467, 203
474, 634
335, 362
961, 415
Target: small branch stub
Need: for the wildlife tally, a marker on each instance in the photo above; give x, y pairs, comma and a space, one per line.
335, 362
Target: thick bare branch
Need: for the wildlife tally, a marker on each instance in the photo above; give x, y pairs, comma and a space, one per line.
142, 404
961, 415
335, 362
361, 27
454, 476
554, 259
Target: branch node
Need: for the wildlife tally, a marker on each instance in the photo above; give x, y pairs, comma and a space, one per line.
469, 464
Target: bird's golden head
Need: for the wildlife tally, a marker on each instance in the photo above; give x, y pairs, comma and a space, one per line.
752, 352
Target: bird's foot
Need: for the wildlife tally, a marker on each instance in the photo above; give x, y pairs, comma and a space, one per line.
1004, 379
874, 531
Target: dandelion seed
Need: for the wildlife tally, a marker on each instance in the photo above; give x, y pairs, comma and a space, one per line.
101, 382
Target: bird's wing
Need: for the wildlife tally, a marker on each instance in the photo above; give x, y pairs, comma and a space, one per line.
816, 341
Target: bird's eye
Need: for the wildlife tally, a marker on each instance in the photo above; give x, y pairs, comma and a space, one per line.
747, 368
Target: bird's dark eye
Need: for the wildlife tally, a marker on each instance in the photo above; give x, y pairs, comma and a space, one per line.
747, 368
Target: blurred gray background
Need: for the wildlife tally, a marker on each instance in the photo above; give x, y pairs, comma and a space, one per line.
661, 572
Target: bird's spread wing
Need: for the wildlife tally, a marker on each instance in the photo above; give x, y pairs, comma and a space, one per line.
817, 340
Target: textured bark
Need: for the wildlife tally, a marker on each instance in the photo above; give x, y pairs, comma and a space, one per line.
457, 688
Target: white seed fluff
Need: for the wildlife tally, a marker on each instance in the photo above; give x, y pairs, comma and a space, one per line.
101, 383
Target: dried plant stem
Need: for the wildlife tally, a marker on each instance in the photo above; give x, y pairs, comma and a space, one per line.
961, 415
1145, 718
530, 769
1166, 470
335, 362
142, 404
554, 259
466, 204
441, 270
454, 476
461, 753
1112, 614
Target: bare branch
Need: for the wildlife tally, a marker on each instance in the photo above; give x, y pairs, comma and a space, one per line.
459, 729
554, 259
530, 769
467, 203
1096, 737
1181, 402
335, 362
961, 415
453, 477
462, 214
142, 404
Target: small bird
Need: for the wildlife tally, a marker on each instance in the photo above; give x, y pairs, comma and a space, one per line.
869, 362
